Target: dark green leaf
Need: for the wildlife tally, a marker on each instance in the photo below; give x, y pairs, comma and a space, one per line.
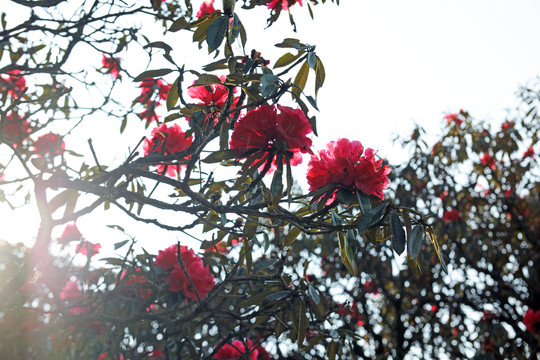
314, 294
312, 101
159, 45
119, 244
206, 79
219, 156
179, 24
398, 234
274, 297
286, 59
265, 265
151, 74
415, 240
312, 60
291, 236
216, 32
301, 79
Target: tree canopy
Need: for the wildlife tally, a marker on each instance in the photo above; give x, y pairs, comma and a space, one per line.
434, 258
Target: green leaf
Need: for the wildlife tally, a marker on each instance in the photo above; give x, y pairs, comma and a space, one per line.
206, 79
288, 43
151, 74
312, 60
291, 236
346, 253
415, 240
312, 101
277, 182
286, 59
320, 75
159, 45
268, 84
172, 96
336, 220
314, 294
265, 265
301, 79
219, 156
216, 32
398, 234
179, 24
371, 217
275, 297
119, 244
302, 323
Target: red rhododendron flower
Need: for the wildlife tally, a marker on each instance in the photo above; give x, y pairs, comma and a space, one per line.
70, 233
236, 350
149, 114
284, 4
222, 246
133, 282
488, 316
112, 64
88, 248
149, 87
265, 129
450, 216
207, 7
73, 294
507, 125
488, 161
529, 153
216, 96
49, 144
532, 320
454, 119
345, 164
15, 128
175, 142
14, 84
177, 279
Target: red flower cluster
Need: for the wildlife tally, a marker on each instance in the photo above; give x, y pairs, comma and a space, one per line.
70, 233
507, 125
237, 350
488, 161
132, 285
112, 65
15, 128
212, 95
73, 294
529, 153
152, 92
353, 313
532, 321
175, 142
284, 4
222, 246
265, 129
207, 7
200, 275
488, 316
49, 144
451, 216
14, 84
88, 248
345, 164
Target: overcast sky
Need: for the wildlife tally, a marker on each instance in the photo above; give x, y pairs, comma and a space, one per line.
387, 63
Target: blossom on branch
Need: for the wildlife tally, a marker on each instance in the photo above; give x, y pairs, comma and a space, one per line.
70, 233
15, 128
212, 95
49, 144
177, 280
451, 216
237, 350
207, 7
345, 164
285, 4
532, 321
264, 129
14, 84
88, 248
167, 140
151, 87
112, 64
488, 161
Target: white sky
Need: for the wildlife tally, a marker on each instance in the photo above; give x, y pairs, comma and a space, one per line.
388, 63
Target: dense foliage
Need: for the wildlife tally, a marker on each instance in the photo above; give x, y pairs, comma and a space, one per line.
435, 258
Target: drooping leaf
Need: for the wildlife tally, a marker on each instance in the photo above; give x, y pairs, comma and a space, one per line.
172, 96
415, 240
275, 297
179, 24
301, 79
265, 264
218, 156
286, 59
291, 236
216, 32
206, 79
398, 234
152, 74
372, 217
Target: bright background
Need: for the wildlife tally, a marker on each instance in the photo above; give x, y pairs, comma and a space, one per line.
388, 65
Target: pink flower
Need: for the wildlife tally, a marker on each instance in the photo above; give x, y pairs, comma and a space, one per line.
88, 248
175, 142
507, 125
177, 279
149, 114
488, 161
207, 7
222, 246
236, 350
150, 87
49, 144
212, 95
14, 84
284, 4
345, 164
264, 129
73, 295
456, 118
70, 233
112, 65
15, 128
451, 216
529, 153
532, 320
